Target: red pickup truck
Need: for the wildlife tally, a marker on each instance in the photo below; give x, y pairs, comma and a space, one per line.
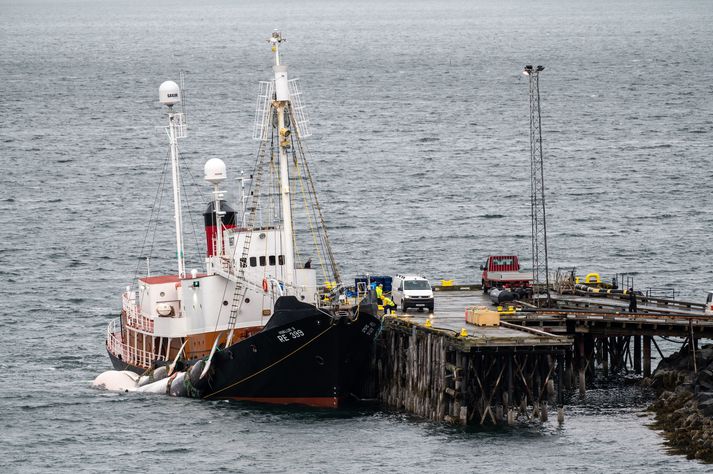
502, 271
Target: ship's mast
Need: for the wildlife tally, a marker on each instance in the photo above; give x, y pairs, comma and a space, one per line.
170, 94
282, 98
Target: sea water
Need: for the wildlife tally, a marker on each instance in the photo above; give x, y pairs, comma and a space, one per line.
421, 158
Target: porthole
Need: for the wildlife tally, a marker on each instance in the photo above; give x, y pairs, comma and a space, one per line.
225, 303
247, 300
162, 294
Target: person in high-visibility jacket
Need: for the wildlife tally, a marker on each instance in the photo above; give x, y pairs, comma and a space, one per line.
379, 291
389, 305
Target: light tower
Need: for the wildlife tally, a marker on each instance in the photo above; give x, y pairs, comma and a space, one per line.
540, 268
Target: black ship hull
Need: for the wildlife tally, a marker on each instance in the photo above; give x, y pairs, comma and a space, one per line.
303, 356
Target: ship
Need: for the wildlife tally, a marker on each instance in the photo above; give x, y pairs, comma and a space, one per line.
268, 319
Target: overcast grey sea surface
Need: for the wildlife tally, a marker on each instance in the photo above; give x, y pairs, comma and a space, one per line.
421, 156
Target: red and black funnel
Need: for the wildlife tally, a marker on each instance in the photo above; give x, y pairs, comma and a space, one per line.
229, 219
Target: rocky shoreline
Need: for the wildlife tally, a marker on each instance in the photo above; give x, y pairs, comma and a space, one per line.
684, 408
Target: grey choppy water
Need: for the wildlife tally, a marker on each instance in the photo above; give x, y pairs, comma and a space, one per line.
420, 151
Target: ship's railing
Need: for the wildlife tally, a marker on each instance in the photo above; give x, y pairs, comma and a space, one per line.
134, 318
227, 266
126, 352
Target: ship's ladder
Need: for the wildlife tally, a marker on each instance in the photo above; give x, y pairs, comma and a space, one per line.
241, 286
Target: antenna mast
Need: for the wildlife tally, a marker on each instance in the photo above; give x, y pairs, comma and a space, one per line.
540, 268
170, 95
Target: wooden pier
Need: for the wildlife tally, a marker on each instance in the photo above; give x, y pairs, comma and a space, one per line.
615, 341
485, 375
426, 365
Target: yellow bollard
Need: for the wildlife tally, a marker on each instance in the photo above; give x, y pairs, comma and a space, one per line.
428, 323
463, 333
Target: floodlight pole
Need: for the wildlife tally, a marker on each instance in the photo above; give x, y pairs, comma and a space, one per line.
540, 267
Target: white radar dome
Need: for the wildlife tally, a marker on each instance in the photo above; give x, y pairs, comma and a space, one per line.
214, 170
169, 93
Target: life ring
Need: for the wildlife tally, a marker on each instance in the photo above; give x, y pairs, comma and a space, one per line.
264, 285
592, 278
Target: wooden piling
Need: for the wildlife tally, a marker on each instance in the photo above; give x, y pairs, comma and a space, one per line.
442, 376
637, 355
582, 365
647, 356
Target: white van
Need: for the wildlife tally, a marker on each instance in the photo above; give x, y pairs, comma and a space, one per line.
412, 291
709, 304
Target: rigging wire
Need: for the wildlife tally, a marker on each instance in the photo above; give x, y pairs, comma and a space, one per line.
155, 209
318, 209
315, 232
198, 192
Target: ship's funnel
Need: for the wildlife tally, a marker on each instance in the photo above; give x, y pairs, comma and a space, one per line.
211, 229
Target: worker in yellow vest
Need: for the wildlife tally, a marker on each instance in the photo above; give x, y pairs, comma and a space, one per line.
389, 305
379, 291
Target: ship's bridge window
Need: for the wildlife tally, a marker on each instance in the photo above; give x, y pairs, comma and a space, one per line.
262, 260
272, 260
281, 259
253, 262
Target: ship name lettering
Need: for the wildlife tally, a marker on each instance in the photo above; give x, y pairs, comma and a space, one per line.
368, 330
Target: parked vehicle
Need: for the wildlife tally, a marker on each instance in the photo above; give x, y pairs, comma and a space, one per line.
412, 291
503, 271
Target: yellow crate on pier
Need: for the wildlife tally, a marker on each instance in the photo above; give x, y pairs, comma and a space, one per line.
482, 316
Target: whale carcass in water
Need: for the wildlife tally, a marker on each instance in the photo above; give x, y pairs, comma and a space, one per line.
179, 384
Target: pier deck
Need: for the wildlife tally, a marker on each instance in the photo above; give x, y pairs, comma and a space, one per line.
449, 316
